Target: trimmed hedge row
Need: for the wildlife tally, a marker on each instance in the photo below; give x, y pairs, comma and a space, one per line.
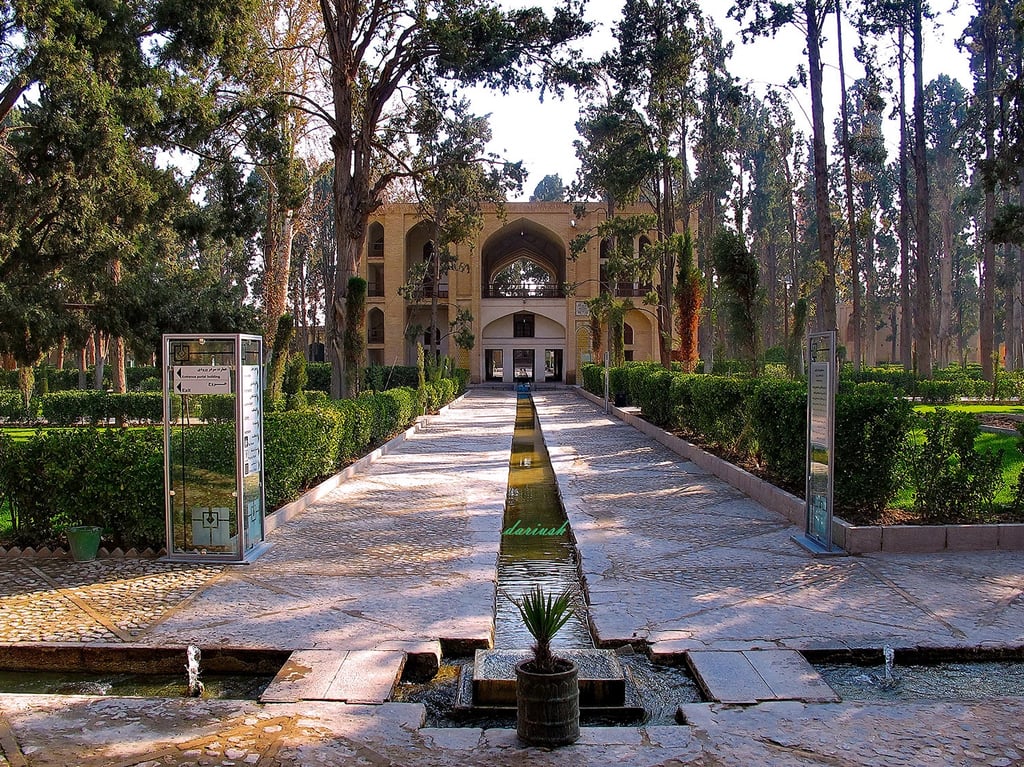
114, 477
946, 385
767, 418
377, 377
67, 408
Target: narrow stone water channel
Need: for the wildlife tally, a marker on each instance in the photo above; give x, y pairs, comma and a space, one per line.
537, 546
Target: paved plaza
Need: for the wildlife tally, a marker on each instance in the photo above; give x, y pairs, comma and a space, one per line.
404, 554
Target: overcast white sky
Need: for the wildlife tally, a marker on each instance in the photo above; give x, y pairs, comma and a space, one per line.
541, 134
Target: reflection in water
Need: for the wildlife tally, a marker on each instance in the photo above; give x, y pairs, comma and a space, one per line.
538, 547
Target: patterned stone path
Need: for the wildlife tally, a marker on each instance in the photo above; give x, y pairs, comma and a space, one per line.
675, 557
407, 551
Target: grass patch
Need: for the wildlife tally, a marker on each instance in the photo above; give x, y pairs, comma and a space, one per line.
1012, 462
21, 434
971, 408
6, 525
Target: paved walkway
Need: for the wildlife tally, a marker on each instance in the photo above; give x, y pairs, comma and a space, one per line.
675, 557
406, 552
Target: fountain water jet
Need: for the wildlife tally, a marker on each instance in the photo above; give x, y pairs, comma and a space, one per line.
195, 687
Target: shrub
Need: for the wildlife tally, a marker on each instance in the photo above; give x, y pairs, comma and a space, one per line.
316, 398
215, 408
295, 376
300, 447
108, 477
135, 376
12, 406
719, 408
778, 420
949, 477
593, 379
938, 391
382, 377
870, 433
66, 408
650, 389
318, 375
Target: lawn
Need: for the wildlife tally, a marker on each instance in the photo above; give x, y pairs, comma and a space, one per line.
20, 434
973, 408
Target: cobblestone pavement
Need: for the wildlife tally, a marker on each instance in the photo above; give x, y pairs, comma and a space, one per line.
109, 600
91, 732
406, 550
674, 556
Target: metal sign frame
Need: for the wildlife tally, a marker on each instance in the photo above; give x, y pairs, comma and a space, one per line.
822, 379
228, 520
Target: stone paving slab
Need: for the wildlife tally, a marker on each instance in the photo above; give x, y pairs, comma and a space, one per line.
728, 677
753, 676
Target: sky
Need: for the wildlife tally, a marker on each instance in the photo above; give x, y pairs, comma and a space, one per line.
541, 134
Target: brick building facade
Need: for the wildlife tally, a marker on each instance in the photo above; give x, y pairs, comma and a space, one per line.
526, 323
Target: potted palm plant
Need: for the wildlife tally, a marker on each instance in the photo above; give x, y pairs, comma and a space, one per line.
547, 690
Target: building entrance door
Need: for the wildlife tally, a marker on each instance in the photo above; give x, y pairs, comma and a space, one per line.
552, 364
495, 365
522, 364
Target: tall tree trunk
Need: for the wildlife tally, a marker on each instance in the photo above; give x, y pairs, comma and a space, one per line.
945, 334
906, 310
988, 259
277, 269
119, 382
823, 214
851, 218
100, 354
923, 327
83, 365
871, 296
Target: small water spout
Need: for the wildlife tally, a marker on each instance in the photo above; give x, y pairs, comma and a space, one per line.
195, 687
889, 680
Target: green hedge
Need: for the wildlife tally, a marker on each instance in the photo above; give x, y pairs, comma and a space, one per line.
66, 408
778, 419
767, 417
114, 477
107, 477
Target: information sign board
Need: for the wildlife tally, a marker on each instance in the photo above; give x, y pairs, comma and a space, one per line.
821, 386
201, 379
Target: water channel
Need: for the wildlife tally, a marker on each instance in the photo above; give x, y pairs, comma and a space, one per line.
537, 546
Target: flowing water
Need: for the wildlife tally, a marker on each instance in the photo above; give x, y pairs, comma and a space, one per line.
537, 547
240, 686
948, 680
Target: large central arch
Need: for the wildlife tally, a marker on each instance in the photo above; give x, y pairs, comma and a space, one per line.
522, 239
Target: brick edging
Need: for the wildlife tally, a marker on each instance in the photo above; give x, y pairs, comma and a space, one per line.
855, 539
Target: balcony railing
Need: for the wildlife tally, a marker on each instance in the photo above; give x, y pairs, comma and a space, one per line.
632, 289
523, 291
429, 291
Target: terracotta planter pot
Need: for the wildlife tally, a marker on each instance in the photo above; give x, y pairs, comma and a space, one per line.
548, 706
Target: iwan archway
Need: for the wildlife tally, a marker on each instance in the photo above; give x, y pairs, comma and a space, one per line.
523, 306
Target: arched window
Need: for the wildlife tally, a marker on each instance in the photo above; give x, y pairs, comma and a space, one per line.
375, 240
627, 334
375, 326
